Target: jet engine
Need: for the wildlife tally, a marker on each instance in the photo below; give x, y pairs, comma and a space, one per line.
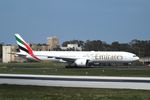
81, 62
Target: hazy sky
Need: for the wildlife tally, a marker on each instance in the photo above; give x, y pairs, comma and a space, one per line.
106, 20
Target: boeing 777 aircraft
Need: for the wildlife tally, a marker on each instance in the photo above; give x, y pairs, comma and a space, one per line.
75, 58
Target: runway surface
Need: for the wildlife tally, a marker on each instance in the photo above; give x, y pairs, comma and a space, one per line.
77, 81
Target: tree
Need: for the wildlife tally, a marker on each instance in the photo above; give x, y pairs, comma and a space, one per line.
115, 46
141, 47
0, 50
57, 48
79, 42
94, 45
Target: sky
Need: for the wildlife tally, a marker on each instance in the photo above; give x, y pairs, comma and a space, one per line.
106, 20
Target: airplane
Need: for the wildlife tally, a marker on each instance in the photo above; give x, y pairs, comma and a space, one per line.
75, 58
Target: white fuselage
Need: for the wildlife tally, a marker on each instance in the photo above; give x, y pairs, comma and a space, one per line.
92, 56
77, 58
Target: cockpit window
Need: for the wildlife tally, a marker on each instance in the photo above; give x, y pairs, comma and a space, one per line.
134, 56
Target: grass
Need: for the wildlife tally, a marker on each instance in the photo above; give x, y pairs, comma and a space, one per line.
14, 92
51, 68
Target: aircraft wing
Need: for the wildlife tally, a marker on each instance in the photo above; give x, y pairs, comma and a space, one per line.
66, 59
63, 58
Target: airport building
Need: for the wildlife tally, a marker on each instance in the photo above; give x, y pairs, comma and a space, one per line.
52, 42
7, 55
73, 47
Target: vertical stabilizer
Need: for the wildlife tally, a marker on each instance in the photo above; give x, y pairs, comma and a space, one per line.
24, 47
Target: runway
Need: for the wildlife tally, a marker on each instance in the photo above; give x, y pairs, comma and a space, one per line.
142, 83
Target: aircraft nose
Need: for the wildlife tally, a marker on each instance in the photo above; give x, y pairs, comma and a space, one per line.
137, 58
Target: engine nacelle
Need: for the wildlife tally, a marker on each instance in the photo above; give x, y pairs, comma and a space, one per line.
81, 62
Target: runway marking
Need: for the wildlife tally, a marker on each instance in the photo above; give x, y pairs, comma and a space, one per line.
75, 79
142, 83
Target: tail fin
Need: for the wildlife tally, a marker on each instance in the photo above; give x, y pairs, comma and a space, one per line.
24, 47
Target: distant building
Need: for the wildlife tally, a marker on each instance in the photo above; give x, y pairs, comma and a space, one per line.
52, 42
8, 55
145, 60
72, 47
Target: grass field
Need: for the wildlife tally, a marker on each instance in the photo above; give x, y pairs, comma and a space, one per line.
59, 69
14, 92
